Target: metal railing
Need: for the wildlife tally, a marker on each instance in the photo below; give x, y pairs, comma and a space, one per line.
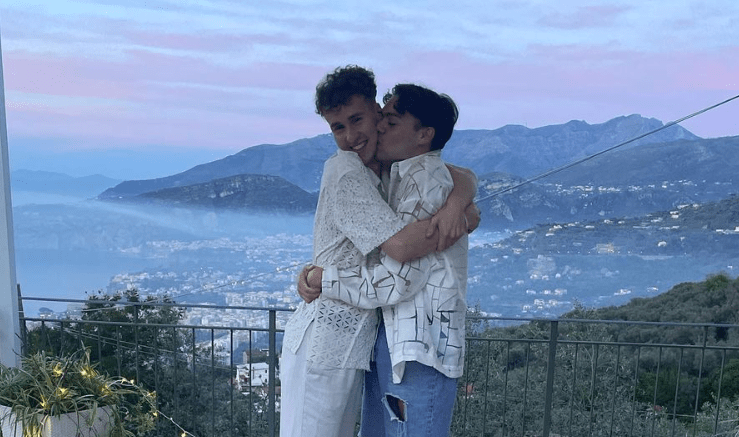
522, 377
601, 378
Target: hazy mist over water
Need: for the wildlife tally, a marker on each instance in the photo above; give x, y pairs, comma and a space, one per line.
64, 250
21, 198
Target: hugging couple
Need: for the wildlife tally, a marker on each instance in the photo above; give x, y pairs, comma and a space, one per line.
382, 324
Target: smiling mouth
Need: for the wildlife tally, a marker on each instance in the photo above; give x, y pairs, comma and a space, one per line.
359, 146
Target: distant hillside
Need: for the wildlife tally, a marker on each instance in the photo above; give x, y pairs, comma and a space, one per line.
299, 162
528, 152
604, 261
715, 300
58, 183
712, 160
701, 369
254, 193
510, 149
622, 183
706, 230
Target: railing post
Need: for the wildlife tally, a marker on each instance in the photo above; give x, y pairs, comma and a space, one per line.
272, 357
136, 340
551, 364
700, 375
22, 320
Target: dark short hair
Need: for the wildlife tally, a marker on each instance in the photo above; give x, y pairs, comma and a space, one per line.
429, 107
338, 87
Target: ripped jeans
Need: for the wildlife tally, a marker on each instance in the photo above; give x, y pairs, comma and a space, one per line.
420, 406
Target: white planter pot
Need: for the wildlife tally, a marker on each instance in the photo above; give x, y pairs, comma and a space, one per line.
66, 425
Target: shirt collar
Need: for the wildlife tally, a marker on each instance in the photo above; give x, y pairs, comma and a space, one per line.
403, 166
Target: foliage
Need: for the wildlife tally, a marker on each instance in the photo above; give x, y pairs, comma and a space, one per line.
141, 339
151, 345
726, 383
715, 300
719, 421
115, 345
51, 386
608, 378
659, 389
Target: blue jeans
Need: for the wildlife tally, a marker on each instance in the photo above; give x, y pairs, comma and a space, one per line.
420, 406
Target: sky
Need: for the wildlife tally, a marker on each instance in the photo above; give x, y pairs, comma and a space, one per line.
135, 89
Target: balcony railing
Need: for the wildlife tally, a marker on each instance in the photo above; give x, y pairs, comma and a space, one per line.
522, 377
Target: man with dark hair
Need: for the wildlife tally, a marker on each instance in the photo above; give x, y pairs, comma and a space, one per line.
429, 108
328, 343
419, 352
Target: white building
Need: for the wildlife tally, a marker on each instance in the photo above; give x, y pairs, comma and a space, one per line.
252, 375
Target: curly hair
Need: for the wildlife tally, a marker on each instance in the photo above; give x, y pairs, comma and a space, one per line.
337, 88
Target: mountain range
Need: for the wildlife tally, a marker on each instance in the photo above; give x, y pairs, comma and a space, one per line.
59, 183
512, 149
659, 171
622, 183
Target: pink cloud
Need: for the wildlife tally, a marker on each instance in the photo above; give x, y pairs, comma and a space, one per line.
156, 99
153, 98
207, 129
144, 72
567, 83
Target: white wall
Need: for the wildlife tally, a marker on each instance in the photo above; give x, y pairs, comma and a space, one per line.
9, 323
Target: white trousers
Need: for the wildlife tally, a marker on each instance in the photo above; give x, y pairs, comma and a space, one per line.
317, 400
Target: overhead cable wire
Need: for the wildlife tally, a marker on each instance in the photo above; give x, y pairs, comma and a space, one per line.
587, 158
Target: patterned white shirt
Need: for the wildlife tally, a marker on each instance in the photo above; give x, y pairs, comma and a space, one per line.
352, 219
424, 321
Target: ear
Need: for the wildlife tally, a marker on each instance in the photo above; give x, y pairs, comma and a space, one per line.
426, 135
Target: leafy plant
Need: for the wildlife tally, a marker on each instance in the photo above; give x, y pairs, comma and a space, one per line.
50, 386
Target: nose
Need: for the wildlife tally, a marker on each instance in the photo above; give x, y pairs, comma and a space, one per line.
350, 135
381, 126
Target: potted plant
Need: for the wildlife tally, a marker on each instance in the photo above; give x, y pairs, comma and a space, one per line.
49, 395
